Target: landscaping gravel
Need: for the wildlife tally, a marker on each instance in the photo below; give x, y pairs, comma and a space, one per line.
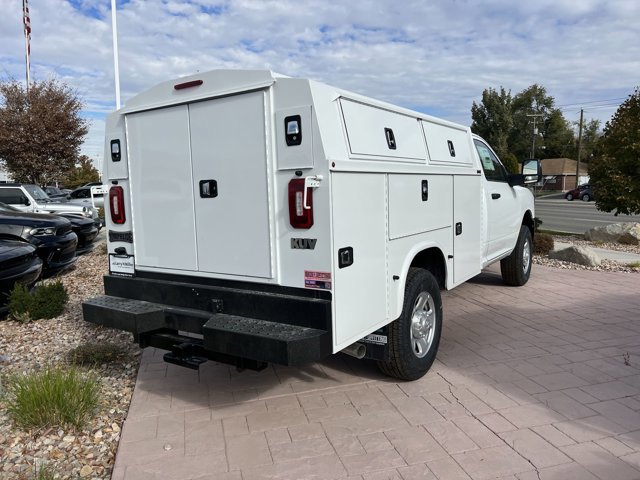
606, 266
89, 453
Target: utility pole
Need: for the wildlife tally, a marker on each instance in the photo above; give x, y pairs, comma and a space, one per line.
579, 148
535, 133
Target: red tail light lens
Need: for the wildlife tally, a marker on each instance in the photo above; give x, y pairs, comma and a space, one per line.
300, 215
116, 204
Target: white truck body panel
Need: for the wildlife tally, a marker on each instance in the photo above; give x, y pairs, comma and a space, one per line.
231, 128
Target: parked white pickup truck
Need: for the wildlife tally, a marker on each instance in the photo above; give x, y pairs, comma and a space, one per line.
257, 218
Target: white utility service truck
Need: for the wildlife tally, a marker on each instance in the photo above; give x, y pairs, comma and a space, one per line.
257, 218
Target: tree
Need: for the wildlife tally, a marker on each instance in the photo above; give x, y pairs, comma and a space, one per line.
493, 121
40, 130
83, 172
615, 172
553, 134
590, 138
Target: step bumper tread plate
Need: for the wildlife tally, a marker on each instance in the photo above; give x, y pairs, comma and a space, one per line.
136, 316
264, 340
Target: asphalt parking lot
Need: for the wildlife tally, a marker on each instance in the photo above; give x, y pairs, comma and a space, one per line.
541, 381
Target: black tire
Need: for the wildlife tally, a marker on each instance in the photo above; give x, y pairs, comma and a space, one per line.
569, 197
413, 348
586, 197
516, 268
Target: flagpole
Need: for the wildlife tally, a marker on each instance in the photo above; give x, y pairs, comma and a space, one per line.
116, 70
27, 47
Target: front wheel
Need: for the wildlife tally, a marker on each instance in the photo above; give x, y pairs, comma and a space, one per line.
516, 268
586, 197
415, 336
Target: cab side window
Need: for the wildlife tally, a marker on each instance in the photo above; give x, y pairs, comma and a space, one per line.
494, 171
12, 196
80, 194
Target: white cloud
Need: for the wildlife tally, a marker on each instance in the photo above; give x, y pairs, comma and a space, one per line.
434, 56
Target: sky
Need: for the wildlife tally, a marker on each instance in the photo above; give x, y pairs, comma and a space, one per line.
434, 56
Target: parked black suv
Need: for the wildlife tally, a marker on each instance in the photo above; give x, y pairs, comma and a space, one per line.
84, 228
50, 234
19, 263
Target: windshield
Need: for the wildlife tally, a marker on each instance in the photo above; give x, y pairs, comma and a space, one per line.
7, 208
36, 192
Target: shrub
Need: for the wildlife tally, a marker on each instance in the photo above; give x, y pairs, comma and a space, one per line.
20, 303
46, 301
542, 244
51, 397
93, 353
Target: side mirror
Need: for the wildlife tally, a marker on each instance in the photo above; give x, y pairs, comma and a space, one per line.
68, 197
532, 171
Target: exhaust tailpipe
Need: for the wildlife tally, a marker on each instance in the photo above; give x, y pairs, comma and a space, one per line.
355, 350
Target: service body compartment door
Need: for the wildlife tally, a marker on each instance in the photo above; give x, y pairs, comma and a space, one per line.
199, 187
228, 148
359, 231
161, 188
467, 217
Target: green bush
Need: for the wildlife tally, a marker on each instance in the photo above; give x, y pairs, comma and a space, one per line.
20, 303
542, 244
93, 353
51, 397
46, 301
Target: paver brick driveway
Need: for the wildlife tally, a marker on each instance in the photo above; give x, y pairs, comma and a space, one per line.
541, 381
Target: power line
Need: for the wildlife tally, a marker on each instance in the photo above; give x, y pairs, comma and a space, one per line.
592, 101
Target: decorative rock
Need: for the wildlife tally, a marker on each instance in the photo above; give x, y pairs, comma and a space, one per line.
626, 233
86, 471
580, 255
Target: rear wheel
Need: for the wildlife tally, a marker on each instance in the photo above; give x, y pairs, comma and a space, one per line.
569, 196
415, 336
516, 268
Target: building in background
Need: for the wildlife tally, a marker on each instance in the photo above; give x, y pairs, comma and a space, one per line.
559, 174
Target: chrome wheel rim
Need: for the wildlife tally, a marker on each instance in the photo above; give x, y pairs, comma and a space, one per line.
423, 324
526, 256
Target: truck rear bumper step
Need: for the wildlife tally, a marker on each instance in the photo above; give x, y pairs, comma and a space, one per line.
264, 340
224, 335
133, 316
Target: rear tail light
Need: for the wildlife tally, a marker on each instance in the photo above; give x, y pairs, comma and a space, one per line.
300, 204
116, 204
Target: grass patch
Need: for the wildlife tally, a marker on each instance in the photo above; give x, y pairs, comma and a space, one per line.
46, 301
633, 265
44, 473
51, 397
93, 353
